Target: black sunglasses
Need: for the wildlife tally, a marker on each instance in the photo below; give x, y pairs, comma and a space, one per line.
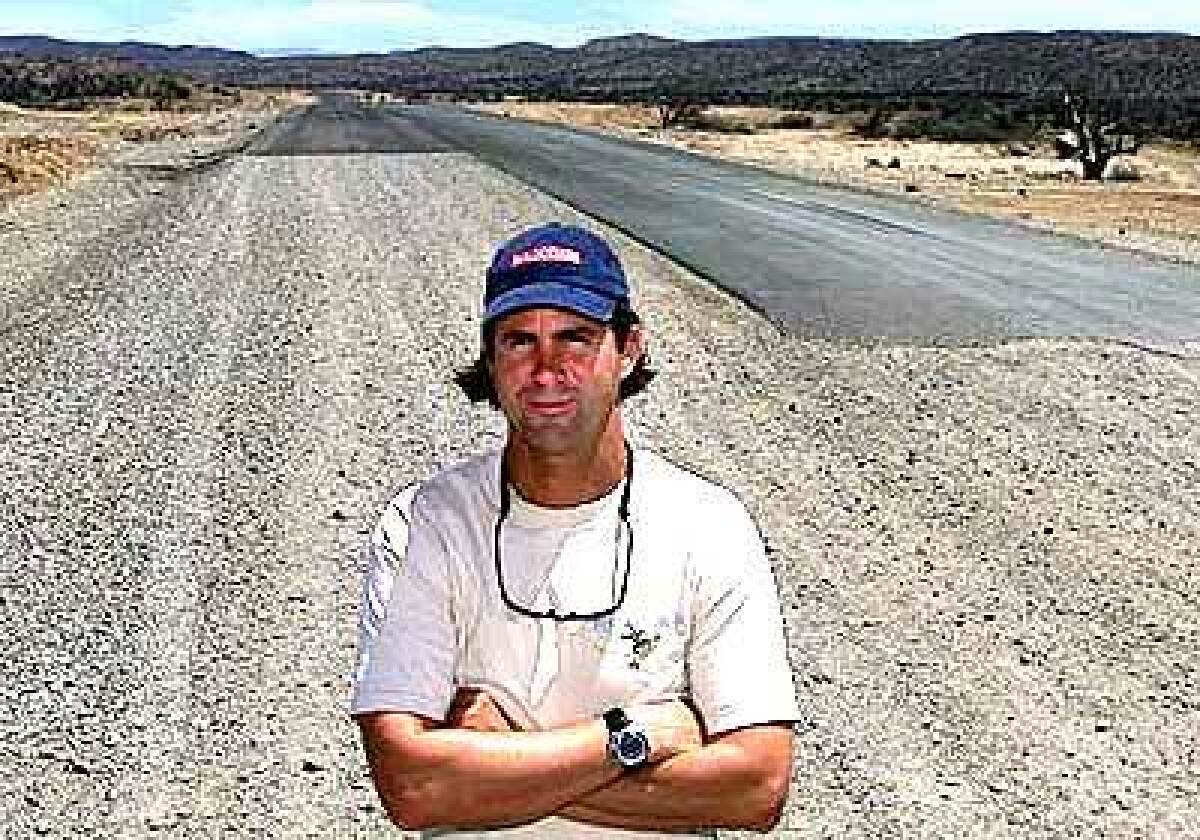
552, 614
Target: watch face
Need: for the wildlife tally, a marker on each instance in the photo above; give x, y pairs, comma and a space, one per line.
632, 747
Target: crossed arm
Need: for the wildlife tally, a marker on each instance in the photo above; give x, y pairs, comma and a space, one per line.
478, 771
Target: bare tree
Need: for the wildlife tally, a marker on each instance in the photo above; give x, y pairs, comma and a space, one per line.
1098, 134
677, 111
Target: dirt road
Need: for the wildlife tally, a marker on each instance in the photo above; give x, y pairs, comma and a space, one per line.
209, 384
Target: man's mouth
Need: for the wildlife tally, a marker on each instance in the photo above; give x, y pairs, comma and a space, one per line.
550, 407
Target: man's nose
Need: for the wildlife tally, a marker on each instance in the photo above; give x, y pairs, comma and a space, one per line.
547, 362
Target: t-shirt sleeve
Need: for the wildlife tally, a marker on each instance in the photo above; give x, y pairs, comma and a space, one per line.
738, 669
406, 627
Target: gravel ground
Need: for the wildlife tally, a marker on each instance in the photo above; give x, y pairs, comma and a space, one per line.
210, 384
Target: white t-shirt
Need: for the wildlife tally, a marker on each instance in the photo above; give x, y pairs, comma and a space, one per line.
700, 618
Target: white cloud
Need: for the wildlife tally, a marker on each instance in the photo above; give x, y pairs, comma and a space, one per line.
318, 24
328, 25
55, 19
739, 13
364, 12
351, 26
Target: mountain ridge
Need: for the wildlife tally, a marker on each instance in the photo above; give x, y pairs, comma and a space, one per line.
1011, 75
46, 46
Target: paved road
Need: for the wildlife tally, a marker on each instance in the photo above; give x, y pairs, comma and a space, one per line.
338, 125
825, 261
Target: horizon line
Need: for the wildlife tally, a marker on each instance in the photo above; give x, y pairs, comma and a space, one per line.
299, 52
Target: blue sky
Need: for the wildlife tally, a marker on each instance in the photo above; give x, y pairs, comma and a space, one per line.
380, 25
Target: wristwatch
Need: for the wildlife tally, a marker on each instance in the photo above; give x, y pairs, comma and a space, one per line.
628, 745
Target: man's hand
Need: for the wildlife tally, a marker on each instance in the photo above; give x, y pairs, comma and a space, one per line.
739, 779
474, 709
672, 726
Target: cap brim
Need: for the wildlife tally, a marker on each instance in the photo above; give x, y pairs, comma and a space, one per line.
557, 295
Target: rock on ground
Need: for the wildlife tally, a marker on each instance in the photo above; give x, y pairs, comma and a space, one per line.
210, 384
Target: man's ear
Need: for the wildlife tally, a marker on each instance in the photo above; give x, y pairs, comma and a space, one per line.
635, 346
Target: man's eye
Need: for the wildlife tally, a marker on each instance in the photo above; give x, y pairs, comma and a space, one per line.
515, 342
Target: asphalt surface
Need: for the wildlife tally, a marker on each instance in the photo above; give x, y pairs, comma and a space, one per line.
336, 125
830, 262
211, 381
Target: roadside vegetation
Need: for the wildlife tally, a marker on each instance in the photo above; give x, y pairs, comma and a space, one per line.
73, 84
59, 116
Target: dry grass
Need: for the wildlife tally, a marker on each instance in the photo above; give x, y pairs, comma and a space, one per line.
596, 115
578, 113
1159, 213
29, 162
42, 148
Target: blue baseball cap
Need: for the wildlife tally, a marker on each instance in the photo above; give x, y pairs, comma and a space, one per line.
556, 265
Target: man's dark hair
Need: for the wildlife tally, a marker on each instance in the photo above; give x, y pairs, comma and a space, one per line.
476, 381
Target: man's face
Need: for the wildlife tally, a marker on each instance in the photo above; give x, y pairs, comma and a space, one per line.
557, 375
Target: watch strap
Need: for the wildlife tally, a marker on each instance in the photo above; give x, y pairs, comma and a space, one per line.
616, 719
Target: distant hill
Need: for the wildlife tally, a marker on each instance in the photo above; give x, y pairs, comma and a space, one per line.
776, 69
157, 54
753, 69
620, 43
1007, 78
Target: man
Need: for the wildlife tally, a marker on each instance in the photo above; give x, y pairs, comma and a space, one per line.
581, 639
